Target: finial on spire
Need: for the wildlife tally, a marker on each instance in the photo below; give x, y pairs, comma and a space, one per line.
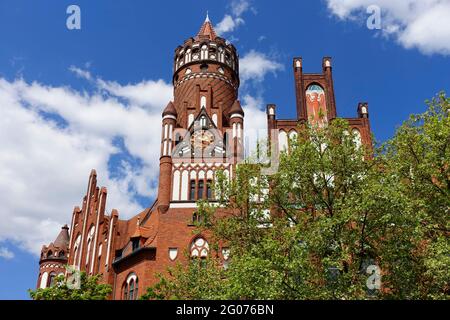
207, 29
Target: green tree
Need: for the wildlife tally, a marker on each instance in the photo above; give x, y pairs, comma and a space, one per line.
90, 289
333, 209
417, 173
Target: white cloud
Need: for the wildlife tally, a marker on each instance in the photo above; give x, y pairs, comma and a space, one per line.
151, 94
253, 68
84, 74
228, 24
255, 130
52, 137
255, 65
5, 253
233, 20
421, 24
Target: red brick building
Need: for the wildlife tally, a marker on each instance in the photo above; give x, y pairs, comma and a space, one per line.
202, 132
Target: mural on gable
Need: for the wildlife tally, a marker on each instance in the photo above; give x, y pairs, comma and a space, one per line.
316, 105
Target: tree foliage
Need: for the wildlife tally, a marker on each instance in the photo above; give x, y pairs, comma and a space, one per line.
90, 289
333, 209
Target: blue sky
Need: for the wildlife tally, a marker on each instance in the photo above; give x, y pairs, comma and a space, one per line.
72, 100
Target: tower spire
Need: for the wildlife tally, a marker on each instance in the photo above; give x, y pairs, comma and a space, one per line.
207, 29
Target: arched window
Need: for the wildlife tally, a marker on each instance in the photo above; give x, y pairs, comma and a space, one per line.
221, 55
99, 259
61, 254
197, 218
200, 189
130, 287
51, 280
192, 190
188, 56
44, 279
203, 121
190, 119
199, 248
282, 141
75, 249
89, 244
49, 254
357, 138
209, 193
203, 102
204, 52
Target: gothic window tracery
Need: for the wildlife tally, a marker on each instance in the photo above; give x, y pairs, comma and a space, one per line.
199, 248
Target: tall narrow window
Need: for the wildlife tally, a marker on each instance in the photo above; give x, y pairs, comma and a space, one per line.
209, 189
203, 121
88, 252
203, 102
131, 291
98, 264
136, 288
125, 291
99, 259
75, 250
51, 280
192, 190
201, 191
89, 244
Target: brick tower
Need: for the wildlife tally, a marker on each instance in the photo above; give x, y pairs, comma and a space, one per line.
203, 120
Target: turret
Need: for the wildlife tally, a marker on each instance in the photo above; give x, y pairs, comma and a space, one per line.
236, 115
169, 120
53, 259
363, 110
299, 91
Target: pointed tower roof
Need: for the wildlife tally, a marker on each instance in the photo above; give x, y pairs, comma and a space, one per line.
207, 29
62, 241
236, 108
170, 110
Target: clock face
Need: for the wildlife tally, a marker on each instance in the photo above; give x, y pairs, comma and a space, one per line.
201, 139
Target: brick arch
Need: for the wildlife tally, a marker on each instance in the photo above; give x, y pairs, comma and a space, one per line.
130, 286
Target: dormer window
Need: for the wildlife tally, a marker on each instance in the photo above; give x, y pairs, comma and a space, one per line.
135, 243
203, 122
